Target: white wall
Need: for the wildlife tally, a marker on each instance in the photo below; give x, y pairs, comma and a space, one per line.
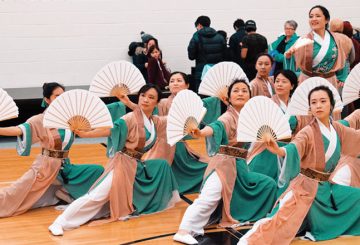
69, 40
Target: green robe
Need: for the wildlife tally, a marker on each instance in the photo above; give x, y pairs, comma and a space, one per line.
154, 181
254, 194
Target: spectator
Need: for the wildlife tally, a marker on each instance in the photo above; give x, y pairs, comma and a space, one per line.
253, 44
236, 39
157, 72
138, 51
282, 44
227, 52
348, 31
206, 47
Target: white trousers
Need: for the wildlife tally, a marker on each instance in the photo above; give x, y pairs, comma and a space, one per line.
197, 214
343, 176
87, 207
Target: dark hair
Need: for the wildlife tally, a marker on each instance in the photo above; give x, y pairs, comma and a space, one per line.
325, 12
184, 76
203, 20
223, 34
149, 86
238, 23
155, 40
289, 75
48, 88
327, 90
151, 49
265, 54
236, 81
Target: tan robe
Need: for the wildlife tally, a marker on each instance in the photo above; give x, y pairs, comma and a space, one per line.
225, 166
285, 224
124, 167
259, 87
21, 195
304, 56
352, 162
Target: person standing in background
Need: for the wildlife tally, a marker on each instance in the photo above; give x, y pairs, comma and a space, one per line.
206, 47
235, 41
253, 44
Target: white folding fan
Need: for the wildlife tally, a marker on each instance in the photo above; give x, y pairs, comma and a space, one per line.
186, 112
8, 108
302, 41
351, 90
299, 104
219, 77
116, 79
261, 118
77, 109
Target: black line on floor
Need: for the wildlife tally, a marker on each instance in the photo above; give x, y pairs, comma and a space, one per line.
156, 237
104, 145
184, 198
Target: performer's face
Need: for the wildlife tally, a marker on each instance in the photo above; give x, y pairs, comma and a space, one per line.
320, 105
263, 66
177, 83
317, 19
148, 100
283, 85
239, 95
56, 92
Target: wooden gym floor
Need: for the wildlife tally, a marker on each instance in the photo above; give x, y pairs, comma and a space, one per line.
31, 227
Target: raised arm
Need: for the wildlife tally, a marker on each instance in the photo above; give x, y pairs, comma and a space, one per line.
205, 132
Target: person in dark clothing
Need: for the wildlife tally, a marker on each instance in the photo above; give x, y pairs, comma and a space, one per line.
236, 39
157, 72
253, 44
138, 52
206, 47
227, 53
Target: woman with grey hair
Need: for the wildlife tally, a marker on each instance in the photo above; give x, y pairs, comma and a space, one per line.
282, 44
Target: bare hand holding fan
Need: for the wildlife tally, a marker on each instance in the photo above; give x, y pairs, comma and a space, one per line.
77, 110
185, 114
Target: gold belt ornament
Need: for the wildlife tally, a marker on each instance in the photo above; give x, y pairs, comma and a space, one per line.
54, 153
315, 174
233, 151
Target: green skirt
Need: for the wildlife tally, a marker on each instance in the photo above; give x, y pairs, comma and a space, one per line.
154, 186
188, 170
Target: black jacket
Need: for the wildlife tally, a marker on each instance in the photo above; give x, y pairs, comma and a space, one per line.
206, 47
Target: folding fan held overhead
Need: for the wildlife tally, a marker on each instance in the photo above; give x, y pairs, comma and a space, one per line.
77, 110
116, 79
8, 108
299, 104
185, 114
351, 90
219, 77
260, 119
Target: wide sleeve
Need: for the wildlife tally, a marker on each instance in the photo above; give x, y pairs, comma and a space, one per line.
294, 152
293, 123
350, 141
213, 107
24, 142
117, 139
218, 138
353, 120
290, 166
117, 110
